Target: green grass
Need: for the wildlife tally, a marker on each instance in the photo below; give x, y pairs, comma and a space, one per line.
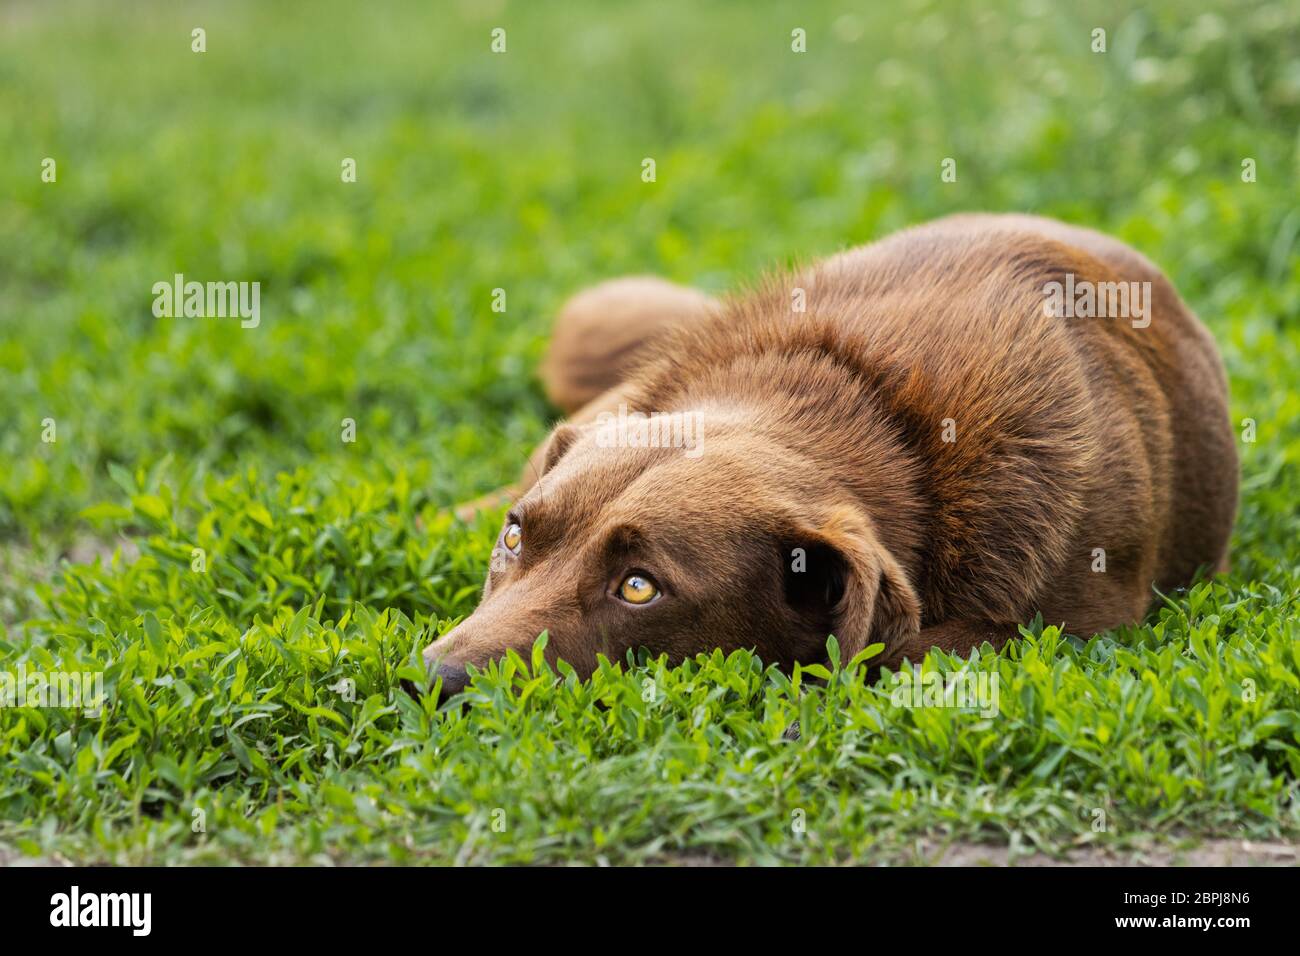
263, 690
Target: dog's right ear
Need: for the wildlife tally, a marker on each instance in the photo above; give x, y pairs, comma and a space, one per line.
561, 440
546, 455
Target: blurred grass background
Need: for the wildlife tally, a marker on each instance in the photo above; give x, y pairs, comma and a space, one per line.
522, 171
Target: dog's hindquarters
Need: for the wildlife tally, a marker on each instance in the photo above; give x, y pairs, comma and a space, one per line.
600, 333
1189, 371
599, 336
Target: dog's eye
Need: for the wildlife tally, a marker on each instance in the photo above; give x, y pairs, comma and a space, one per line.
637, 589
512, 538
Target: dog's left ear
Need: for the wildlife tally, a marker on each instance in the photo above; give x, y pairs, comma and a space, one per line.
849, 582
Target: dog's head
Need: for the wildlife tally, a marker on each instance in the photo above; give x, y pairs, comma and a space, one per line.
736, 543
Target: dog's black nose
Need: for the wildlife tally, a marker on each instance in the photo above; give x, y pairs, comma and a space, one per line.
454, 680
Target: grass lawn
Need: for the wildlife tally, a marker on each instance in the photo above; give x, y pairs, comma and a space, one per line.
252, 587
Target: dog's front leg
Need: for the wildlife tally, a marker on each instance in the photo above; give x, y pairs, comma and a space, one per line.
956, 637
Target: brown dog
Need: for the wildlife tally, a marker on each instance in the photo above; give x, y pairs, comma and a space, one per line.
921, 442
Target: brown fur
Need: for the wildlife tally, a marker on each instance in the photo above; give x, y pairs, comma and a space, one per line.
601, 331
825, 431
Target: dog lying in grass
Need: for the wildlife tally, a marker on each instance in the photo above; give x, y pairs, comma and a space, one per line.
918, 443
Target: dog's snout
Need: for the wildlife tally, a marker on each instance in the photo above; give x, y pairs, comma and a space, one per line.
454, 680
454, 677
